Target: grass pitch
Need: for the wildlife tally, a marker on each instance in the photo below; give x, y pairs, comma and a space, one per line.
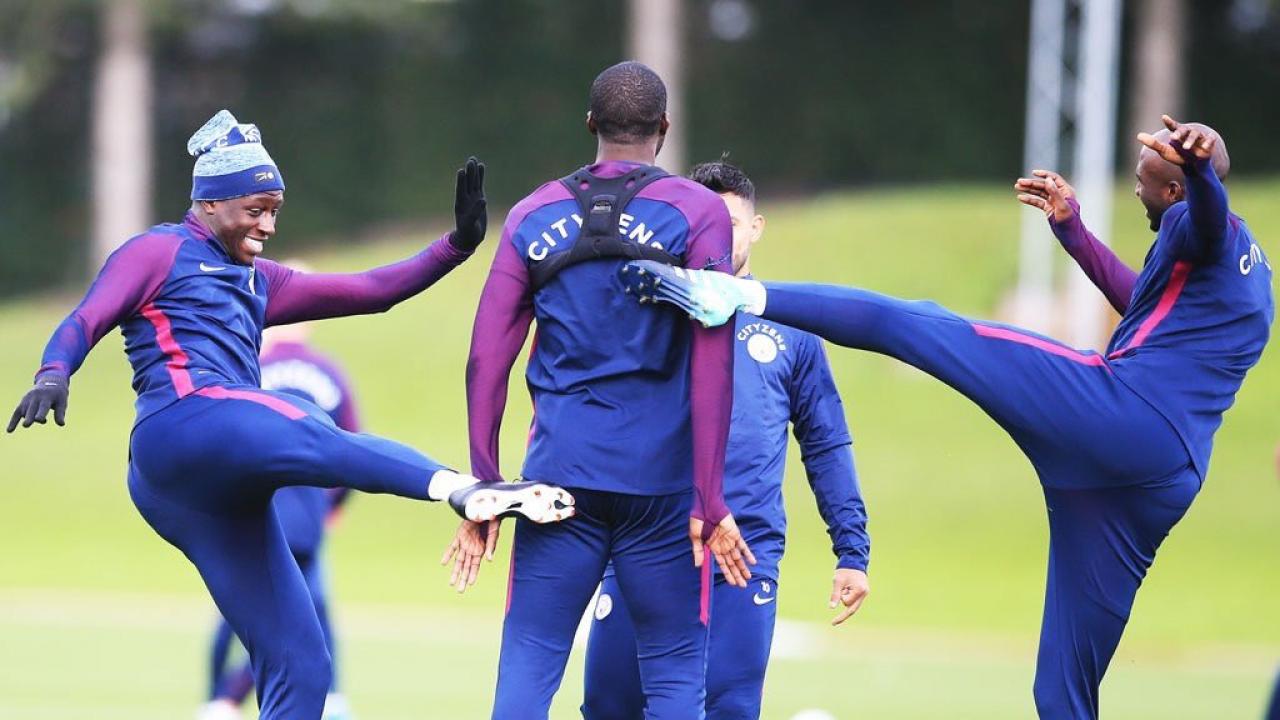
99, 618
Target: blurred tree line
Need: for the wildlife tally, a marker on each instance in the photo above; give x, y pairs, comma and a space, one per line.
369, 105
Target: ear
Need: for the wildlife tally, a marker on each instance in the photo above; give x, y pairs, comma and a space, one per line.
664, 125
757, 228
208, 206
1174, 192
591, 124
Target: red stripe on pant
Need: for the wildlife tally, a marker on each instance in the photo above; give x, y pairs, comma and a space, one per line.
217, 392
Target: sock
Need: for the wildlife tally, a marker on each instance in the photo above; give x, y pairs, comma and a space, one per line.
755, 296
444, 482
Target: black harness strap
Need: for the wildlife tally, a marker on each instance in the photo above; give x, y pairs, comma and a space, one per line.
601, 201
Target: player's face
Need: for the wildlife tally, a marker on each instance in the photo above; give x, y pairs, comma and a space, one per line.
1156, 189
747, 228
244, 224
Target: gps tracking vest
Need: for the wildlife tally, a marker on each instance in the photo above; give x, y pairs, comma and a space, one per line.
602, 201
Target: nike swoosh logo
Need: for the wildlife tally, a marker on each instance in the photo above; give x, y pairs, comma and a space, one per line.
211, 268
762, 600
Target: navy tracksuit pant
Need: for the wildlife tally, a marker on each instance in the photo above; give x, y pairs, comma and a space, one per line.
1115, 474
202, 472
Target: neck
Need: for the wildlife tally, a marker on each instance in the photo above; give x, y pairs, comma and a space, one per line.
745, 270
644, 153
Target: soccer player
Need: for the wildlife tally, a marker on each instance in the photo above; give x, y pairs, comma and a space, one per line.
209, 447
780, 376
291, 366
1120, 441
631, 408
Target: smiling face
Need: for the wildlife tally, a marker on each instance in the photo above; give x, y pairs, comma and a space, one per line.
243, 225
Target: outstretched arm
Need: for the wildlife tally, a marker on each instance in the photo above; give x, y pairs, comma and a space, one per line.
296, 296
129, 280
1049, 192
817, 414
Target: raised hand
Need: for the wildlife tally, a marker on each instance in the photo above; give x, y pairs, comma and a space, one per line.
1047, 191
849, 587
471, 542
727, 546
1187, 141
49, 393
470, 209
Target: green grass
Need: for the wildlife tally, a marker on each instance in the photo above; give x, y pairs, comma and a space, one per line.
101, 619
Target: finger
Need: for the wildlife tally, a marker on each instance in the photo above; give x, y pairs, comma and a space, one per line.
471, 174
697, 550
1160, 148
480, 178
1034, 187
836, 590
474, 571
746, 551
1169, 122
730, 570
449, 552
846, 613
1035, 202
491, 539
457, 570
33, 405
60, 411
460, 187
731, 556
1191, 138
21, 410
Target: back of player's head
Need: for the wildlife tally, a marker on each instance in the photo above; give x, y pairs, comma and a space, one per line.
627, 103
723, 177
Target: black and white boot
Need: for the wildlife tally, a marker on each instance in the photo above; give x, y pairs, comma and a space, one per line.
539, 502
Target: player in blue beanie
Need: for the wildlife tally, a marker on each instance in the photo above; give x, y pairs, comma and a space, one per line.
209, 447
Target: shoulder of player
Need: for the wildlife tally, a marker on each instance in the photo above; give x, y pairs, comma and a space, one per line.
696, 202
546, 193
153, 251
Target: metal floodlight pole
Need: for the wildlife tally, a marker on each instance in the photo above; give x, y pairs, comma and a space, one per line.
1094, 165
1041, 149
656, 38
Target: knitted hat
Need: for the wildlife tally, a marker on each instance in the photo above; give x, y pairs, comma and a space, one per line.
230, 160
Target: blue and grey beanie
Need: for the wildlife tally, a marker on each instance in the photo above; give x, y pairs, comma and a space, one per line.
231, 161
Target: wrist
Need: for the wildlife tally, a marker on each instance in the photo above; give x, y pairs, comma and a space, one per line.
1196, 166
456, 249
852, 563
52, 374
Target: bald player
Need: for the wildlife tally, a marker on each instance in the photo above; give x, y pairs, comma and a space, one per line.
1120, 441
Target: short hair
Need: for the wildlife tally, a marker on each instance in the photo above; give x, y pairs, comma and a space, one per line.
723, 177
627, 103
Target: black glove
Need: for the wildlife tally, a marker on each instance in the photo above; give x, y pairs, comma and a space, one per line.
49, 393
470, 213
